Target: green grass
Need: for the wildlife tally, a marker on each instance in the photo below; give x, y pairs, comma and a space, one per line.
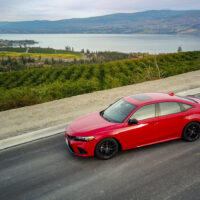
37, 85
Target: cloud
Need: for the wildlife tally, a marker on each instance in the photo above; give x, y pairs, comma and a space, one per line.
15, 10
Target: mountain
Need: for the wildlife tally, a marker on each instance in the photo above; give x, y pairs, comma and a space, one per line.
150, 22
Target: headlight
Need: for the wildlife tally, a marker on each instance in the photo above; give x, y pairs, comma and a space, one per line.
84, 138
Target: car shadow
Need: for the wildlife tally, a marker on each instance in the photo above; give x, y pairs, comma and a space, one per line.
153, 146
125, 153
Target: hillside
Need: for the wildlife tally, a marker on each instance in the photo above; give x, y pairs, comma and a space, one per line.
150, 22
37, 85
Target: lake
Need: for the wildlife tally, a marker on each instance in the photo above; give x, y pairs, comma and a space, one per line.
113, 42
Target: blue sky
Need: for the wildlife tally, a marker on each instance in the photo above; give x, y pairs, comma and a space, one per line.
17, 10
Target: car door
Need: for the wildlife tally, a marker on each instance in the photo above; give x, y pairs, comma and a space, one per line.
169, 120
144, 131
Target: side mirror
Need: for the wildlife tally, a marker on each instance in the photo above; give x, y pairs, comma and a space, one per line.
132, 121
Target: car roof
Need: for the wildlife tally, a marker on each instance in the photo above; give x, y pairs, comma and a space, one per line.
147, 98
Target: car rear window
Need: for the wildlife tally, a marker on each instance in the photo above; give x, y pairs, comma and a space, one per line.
187, 99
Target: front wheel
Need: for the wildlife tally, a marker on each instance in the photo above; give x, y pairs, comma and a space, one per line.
106, 148
191, 132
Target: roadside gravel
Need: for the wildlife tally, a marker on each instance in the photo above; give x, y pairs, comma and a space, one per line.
18, 121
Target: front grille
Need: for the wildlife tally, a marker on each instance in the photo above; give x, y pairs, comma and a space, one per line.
82, 151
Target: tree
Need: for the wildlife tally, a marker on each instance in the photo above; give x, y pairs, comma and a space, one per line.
157, 67
53, 61
68, 48
46, 61
179, 49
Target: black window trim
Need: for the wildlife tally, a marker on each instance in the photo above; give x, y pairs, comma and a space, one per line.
157, 111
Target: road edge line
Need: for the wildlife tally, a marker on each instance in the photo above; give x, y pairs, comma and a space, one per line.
32, 136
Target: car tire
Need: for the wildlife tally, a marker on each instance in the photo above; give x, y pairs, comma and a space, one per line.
191, 132
107, 148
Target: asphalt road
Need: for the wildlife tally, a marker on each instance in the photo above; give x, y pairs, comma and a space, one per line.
46, 170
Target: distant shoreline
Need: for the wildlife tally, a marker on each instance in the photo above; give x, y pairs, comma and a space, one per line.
126, 43
16, 43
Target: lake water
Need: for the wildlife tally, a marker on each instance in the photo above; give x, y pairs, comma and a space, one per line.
113, 42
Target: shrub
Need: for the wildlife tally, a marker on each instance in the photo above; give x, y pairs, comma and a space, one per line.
37, 85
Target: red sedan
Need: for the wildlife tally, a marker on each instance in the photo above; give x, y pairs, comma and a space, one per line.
135, 121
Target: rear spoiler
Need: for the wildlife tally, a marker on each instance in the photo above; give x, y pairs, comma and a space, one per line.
194, 97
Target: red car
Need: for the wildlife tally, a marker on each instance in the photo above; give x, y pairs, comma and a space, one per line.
135, 121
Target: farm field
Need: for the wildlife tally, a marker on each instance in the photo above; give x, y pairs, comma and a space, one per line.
20, 58
37, 85
36, 55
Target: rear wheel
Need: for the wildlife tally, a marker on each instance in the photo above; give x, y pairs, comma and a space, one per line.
106, 148
191, 132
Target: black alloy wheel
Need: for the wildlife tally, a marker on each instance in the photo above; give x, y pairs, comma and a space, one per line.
106, 148
191, 131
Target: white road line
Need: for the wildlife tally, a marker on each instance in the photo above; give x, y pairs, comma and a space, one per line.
31, 136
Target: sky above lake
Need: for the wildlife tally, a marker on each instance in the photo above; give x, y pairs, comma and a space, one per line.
24, 10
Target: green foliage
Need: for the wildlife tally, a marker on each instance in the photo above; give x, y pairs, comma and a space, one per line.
13, 59
39, 50
37, 85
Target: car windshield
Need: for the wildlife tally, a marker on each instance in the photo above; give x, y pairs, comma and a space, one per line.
118, 111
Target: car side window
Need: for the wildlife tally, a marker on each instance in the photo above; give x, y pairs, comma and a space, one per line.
145, 112
186, 106
167, 108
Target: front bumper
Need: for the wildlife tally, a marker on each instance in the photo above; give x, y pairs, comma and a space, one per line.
80, 148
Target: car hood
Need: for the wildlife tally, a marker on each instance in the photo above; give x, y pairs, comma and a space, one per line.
89, 124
